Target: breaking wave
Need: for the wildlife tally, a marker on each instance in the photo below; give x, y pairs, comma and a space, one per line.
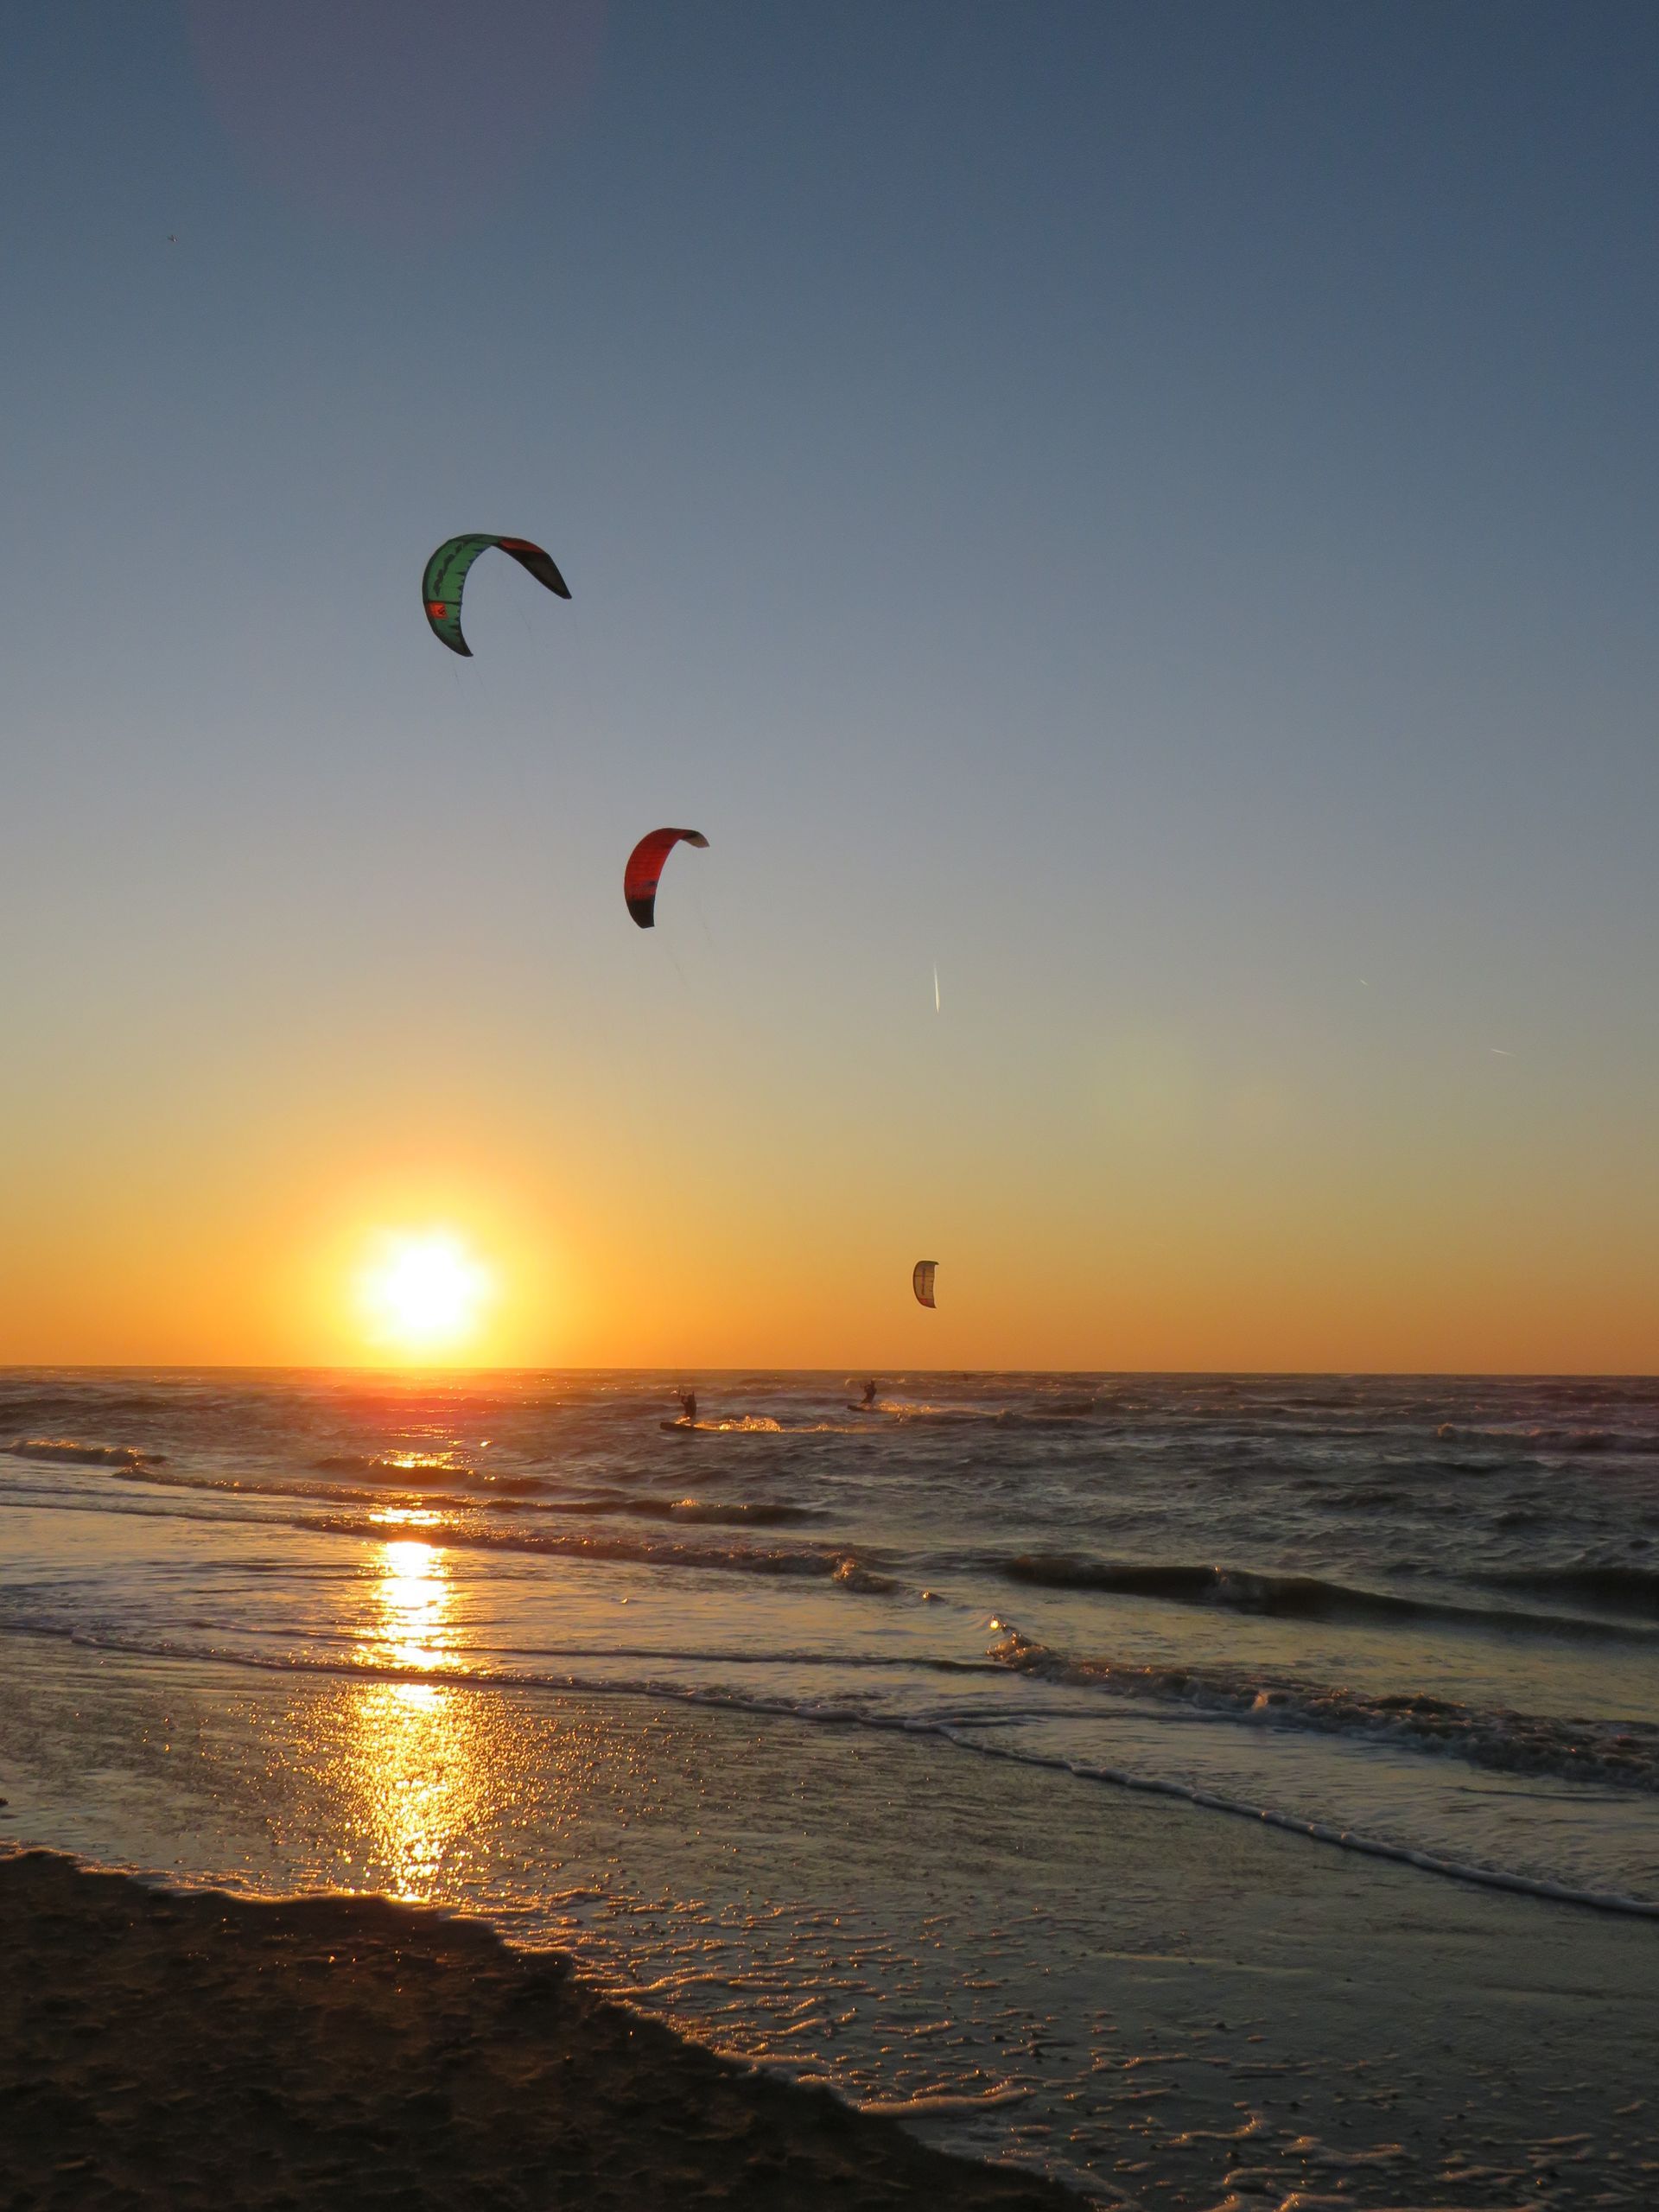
1623, 1753
85, 1455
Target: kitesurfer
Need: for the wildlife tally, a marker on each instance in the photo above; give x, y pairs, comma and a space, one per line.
689, 1407
869, 1397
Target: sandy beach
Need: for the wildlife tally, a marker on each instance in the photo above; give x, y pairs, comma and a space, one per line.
204, 2050
1169, 2012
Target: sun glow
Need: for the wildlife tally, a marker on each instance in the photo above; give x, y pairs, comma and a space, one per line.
424, 1291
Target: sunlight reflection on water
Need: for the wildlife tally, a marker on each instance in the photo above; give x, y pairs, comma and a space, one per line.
412, 1597
408, 1761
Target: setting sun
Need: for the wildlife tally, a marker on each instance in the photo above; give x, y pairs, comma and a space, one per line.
425, 1291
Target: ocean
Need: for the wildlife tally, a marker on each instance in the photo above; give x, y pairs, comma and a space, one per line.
724, 1709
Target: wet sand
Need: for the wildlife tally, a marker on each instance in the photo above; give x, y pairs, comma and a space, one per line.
203, 2049
1176, 2012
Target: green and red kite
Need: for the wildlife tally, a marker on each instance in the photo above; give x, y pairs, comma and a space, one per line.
446, 574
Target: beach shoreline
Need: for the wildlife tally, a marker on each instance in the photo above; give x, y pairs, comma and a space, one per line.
1158, 2009
197, 2049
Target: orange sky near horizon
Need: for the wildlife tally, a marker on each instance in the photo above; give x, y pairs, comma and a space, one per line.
1164, 1239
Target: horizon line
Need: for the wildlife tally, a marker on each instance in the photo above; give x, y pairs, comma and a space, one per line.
407, 1371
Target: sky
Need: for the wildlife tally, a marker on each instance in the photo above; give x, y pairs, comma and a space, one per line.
1148, 512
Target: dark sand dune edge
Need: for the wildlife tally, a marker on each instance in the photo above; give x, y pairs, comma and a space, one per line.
202, 2049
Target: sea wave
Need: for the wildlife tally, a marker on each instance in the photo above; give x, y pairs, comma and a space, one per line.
1623, 1753
1637, 1443
85, 1455
481, 1486
157, 1475
734, 1512
401, 1466
831, 1562
32, 1406
1618, 1586
1296, 1597
1601, 1389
